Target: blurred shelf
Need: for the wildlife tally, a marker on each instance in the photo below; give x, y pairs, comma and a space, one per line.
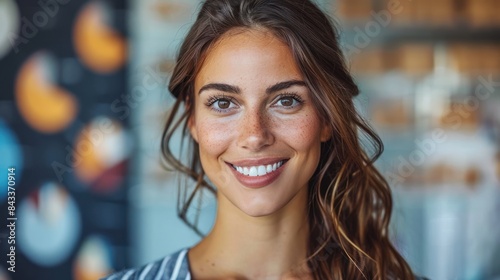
425, 33
456, 33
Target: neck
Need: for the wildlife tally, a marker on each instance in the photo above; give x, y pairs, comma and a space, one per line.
245, 247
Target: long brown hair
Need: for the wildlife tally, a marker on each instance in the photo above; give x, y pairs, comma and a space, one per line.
350, 203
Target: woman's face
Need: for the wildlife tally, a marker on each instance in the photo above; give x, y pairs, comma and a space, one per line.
258, 132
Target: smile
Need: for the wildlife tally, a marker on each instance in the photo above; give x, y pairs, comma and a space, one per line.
259, 170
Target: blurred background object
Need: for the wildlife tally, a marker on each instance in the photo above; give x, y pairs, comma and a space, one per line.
429, 73
62, 65
83, 101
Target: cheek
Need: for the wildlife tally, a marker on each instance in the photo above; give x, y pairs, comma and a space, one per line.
302, 133
214, 139
213, 136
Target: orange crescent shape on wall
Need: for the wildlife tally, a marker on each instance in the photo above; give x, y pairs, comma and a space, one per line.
46, 107
98, 46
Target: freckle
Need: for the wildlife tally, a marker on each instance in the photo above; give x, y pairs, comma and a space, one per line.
213, 264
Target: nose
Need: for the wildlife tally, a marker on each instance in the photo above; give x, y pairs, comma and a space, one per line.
254, 131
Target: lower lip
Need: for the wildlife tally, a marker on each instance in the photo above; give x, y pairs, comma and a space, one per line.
257, 182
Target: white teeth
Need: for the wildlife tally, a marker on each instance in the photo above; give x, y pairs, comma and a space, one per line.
269, 168
260, 170
253, 171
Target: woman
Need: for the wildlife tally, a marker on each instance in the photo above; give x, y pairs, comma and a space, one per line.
269, 109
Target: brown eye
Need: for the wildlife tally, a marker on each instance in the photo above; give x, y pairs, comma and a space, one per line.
287, 101
223, 104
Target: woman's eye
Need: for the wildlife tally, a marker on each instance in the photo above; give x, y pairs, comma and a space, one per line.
288, 101
221, 104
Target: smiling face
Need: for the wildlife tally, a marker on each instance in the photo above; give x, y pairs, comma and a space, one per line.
258, 132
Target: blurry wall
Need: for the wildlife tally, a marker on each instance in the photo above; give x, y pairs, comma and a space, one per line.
429, 73
64, 142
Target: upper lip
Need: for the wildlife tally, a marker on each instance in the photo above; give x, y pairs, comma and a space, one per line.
256, 162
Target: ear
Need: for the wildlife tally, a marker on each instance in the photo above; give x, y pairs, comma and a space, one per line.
326, 132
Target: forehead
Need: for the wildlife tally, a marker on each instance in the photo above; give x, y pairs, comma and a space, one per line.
247, 55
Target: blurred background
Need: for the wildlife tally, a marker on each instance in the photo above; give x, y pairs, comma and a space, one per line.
83, 101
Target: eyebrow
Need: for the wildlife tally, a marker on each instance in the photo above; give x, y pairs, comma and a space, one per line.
236, 90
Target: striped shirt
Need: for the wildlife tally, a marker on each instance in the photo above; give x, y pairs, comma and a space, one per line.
172, 267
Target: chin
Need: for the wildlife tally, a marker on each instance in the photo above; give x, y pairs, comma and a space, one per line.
256, 213
260, 209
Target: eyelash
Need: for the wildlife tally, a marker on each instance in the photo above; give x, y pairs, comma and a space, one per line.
295, 96
213, 99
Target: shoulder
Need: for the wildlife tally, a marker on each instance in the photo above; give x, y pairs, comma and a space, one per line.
174, 266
